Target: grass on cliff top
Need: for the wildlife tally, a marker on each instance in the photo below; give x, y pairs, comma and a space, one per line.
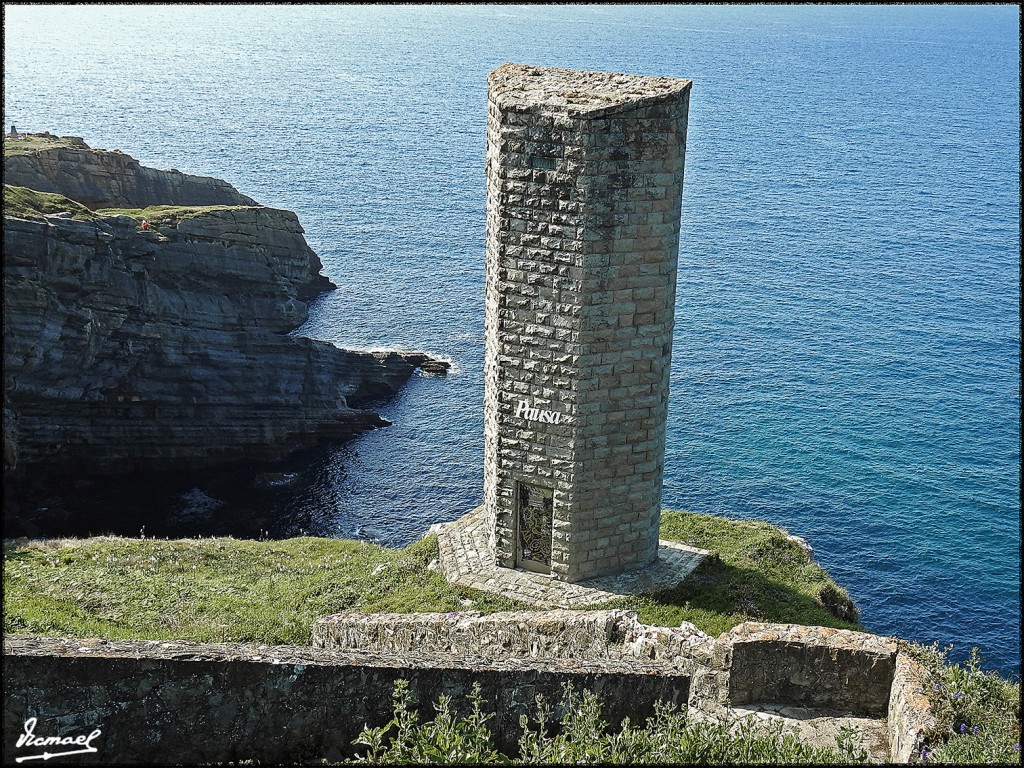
25, 203
217, 589
27, 143
228, 590
759, 575
169, 214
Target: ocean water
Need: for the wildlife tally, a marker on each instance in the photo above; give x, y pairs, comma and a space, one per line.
847, 344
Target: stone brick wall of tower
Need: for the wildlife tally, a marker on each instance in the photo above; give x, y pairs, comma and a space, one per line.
634, 190
581, 266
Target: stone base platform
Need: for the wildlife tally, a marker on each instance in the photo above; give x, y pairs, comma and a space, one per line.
466, 560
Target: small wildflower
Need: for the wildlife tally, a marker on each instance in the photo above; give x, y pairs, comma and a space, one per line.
963, 727
938, 687
976, 729
1017, 746
958, 694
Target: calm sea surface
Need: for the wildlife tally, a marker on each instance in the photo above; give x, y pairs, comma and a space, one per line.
847, 343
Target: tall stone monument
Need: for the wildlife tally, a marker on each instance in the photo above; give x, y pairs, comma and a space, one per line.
584, 187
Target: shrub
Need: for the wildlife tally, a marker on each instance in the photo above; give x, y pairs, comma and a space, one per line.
445, 740
581, 736
838, 602
977, 713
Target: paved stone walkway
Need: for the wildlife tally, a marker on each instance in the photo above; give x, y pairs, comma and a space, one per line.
466, 560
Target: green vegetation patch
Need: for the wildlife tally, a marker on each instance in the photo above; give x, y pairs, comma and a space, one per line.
28, 143
580, 736
169, 214
223, 589
25, 203
977, 713
217, 589
759, 575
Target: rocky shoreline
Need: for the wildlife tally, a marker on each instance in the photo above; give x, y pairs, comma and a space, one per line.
132, 349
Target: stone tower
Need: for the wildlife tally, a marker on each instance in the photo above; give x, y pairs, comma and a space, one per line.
584, 188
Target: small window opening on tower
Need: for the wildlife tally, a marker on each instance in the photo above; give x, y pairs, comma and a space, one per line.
542, 163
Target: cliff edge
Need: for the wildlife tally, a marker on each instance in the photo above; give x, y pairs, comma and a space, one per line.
131, 349
100, 178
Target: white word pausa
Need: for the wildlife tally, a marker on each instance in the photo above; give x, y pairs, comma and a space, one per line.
526, 411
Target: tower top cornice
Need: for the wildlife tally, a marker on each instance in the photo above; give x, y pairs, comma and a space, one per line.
520, 87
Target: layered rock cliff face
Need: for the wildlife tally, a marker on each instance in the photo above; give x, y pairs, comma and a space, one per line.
99, 178
127, 349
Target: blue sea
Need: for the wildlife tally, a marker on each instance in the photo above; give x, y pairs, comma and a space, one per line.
847, 343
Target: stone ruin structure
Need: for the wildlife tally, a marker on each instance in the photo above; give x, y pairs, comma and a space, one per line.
584, 187
299, 699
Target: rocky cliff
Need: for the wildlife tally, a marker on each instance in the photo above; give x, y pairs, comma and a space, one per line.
128, 349
99, 178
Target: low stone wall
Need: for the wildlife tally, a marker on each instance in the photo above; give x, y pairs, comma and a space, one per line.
910, 715
525, 634
812, 667
196, 702
558, 634
785, 665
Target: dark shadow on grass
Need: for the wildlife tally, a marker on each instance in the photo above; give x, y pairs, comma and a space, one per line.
723, 588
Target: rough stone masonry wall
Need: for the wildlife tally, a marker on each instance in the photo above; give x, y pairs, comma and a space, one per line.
635, 189
193, 702
190, 703
812, 667
910, 717
559, 634
817, 668
584, 184
532, 318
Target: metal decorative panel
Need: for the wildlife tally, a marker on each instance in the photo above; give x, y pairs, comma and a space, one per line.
536, 509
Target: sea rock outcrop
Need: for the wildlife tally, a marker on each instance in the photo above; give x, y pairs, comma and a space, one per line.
171, 348
99, 178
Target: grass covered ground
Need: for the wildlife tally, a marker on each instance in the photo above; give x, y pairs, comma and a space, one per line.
25, 203
760, 575
229, 590
27, 143
168, 214
217, 589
